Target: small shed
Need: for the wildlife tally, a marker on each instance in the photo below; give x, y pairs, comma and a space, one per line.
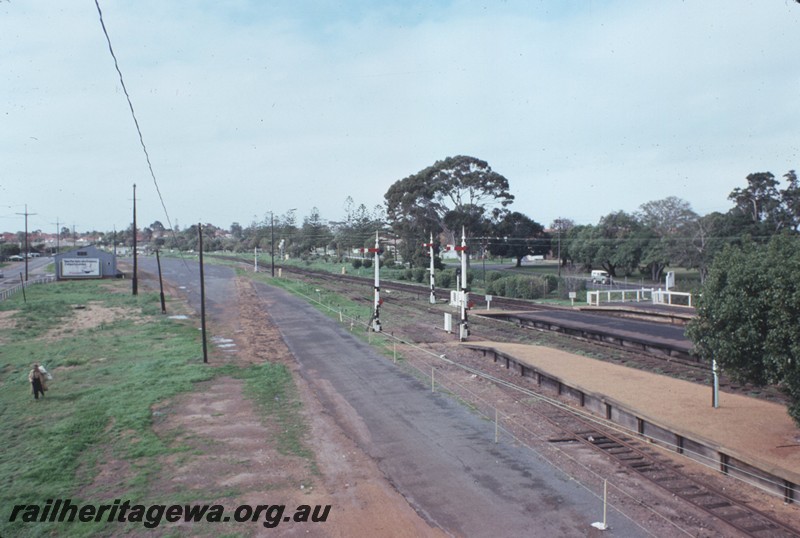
85, 262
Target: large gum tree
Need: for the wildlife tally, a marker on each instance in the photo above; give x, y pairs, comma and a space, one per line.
454, 192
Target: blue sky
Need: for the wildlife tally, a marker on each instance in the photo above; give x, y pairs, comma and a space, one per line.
248, 107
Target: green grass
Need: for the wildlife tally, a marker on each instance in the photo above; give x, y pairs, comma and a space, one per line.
107, 379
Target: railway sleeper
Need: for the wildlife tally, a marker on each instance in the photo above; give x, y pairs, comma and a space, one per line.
716, 505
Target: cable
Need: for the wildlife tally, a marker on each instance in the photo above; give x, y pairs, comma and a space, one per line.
135, 120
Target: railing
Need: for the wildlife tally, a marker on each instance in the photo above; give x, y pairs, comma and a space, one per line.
666, 297
8, 292
672, 298
612, 296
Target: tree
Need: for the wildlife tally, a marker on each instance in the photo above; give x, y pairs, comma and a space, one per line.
359, 227
663, 222
455, 192
314, 233
559, 228
747, 315
706, 237
517, 236
769, 210
615, 244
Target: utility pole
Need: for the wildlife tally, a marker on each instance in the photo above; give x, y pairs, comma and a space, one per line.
58, 235
202, 294
26, 238
135, 282
272, 240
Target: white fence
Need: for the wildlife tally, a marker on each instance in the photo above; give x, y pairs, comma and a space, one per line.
673, 298
8, 292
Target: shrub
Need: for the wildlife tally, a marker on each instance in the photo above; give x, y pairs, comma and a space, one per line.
357, 263
419, 274
444, 279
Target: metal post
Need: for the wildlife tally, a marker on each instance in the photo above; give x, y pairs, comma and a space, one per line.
433, 277
255, 259
376, 314
464, 328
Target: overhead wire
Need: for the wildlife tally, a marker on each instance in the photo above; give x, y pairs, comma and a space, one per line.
133, 115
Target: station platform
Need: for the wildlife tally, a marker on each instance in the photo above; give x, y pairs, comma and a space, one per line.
747, 437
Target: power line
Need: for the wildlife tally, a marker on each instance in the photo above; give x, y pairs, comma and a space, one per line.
133, 114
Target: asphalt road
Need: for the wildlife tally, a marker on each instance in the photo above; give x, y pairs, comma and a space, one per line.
437, 453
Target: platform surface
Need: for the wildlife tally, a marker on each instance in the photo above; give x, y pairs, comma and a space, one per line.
749, 429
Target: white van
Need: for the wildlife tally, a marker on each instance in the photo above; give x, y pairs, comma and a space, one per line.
601, 276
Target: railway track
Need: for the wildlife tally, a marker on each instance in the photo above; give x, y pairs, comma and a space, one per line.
689, 370
624, 449
628, 452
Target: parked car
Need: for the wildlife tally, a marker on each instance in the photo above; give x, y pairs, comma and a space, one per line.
601, 276
16, 258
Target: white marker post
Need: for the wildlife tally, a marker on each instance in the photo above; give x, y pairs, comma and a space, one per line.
715, 395
376, 314
463, 332
603, 525
433, 278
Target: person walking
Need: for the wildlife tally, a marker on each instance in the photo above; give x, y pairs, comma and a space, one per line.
37, 380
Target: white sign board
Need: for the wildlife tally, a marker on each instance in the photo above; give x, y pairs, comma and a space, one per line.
80, 267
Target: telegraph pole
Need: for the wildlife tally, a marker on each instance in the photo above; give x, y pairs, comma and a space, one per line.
135, 282
26, 238
272, 240
202, 294
58, 235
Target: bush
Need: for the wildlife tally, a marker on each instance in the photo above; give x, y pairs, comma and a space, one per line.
419, 274
444, 279
521, 287
357, 263
366, 263
491, 276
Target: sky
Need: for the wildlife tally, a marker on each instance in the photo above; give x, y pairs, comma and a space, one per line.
248, 107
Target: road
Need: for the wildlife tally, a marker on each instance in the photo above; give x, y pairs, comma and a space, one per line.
12, 271
439, 455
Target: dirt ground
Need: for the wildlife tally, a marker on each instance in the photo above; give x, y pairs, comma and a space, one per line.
235, 451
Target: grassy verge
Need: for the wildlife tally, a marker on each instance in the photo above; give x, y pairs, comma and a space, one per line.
108, 375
